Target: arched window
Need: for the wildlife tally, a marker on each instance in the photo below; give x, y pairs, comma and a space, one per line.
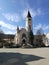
23, 35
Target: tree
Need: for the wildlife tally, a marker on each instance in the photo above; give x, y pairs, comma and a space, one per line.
31, 37
1, 31
1, 37
40, 34
40, 31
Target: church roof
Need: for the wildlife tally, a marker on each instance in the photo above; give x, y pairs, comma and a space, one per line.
28, 15
5, 36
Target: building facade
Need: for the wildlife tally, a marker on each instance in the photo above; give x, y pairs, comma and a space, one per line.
21, 36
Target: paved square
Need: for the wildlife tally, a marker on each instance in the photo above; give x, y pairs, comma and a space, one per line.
18, 56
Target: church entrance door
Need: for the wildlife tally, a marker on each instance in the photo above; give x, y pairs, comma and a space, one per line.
23, 42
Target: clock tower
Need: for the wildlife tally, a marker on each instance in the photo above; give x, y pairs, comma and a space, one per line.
28, 22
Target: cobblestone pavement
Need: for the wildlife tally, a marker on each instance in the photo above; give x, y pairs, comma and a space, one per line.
19, 56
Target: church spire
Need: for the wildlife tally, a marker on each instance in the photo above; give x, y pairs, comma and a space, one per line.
28, 22
28, 15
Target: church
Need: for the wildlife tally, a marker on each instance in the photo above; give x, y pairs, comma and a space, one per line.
21, 36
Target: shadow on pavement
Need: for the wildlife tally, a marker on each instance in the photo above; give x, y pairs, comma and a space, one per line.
17, 58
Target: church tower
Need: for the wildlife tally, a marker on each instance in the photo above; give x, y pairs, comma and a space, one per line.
28, 22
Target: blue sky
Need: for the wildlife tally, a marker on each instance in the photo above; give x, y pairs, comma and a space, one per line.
13, 13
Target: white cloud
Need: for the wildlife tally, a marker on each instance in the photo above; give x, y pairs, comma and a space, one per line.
9, 32
13, 32
32, 11
9, 26
44, 27
12, 17
38, 26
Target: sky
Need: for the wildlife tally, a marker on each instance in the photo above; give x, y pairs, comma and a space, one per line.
13, 13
